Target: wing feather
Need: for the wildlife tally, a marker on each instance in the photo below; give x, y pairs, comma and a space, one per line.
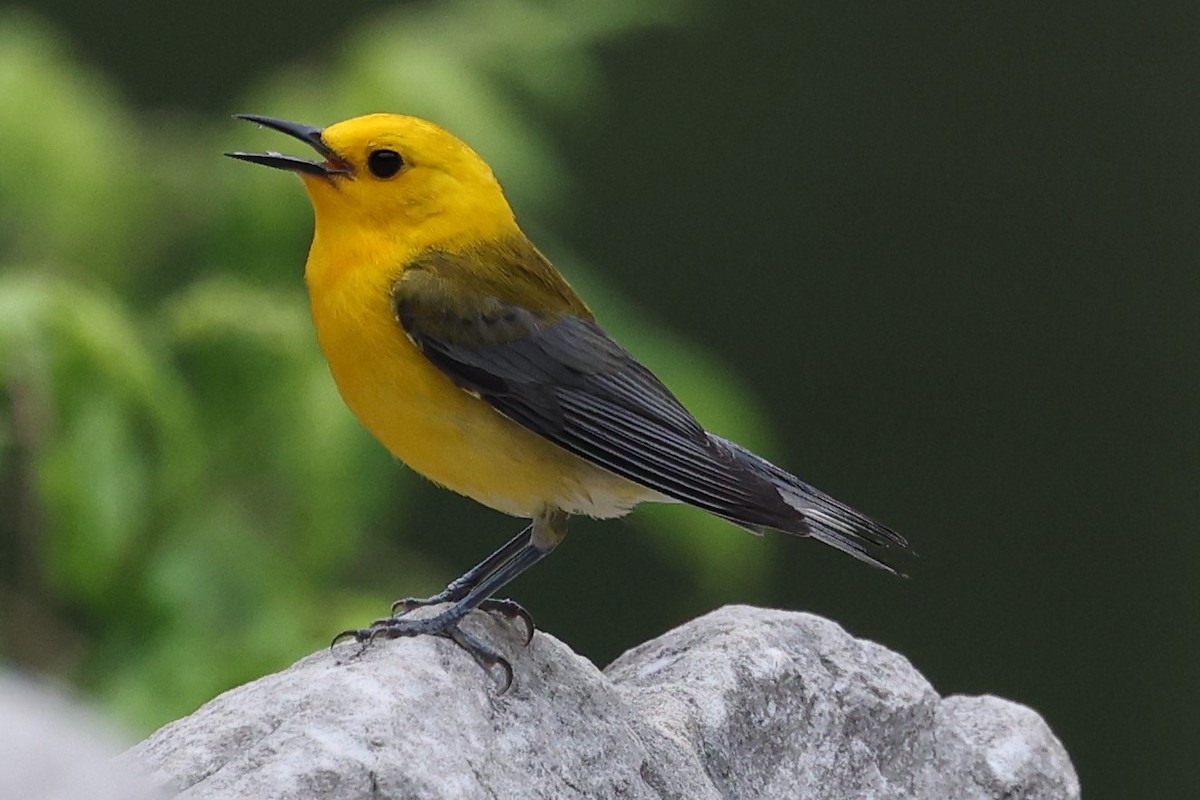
566, 379
557, 373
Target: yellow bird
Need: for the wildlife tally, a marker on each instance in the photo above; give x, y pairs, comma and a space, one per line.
468, 356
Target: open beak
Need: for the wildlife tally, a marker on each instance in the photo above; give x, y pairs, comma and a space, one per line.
332, 165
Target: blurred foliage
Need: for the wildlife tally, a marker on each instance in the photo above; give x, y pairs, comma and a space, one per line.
186, 504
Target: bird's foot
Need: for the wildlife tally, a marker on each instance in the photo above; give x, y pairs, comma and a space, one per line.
445, 625
509, 609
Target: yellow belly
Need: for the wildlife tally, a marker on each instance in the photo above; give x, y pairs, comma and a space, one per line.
446, 434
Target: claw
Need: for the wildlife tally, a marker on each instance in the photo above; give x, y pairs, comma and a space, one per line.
508, 676
511, 610
359, 636
484, 655
406, 604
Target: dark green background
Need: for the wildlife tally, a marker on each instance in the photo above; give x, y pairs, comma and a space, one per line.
953, 248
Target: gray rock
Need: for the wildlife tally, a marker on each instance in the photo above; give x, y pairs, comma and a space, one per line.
53, 748
741, 703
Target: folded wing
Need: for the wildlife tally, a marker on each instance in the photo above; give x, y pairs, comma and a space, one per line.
557, 373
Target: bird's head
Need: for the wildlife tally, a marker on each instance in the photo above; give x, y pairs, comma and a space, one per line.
404, 179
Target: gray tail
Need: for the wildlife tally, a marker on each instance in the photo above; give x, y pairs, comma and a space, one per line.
807, 511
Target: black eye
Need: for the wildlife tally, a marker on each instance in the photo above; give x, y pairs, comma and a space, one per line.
384, 163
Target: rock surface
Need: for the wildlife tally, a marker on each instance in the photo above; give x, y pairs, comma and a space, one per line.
741, 703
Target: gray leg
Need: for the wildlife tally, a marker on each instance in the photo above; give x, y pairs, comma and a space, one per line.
472, 590
460, 587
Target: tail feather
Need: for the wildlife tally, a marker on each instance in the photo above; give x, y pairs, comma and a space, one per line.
820, 516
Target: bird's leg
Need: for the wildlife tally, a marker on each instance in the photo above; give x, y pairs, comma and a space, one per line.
472, 590
459, 587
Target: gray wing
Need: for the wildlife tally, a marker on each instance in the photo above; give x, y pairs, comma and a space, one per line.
570, 382
562, 377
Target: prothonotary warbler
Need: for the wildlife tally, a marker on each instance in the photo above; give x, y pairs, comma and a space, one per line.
463, 350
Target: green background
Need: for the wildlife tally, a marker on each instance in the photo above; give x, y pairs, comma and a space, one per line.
937, 258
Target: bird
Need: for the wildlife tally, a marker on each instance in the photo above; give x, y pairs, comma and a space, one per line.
461, 348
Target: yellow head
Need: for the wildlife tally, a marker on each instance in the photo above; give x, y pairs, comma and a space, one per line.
394, 178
